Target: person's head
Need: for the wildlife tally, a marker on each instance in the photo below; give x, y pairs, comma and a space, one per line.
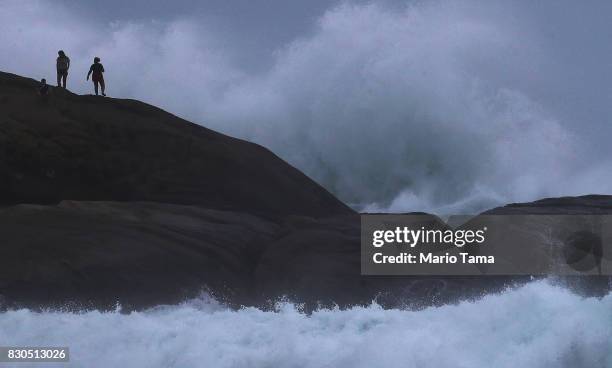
43, 81
96, 60
61, 53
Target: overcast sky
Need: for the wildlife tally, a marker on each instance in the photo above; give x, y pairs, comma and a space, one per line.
258, 28
403, 105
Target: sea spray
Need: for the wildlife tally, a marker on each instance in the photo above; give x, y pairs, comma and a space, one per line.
538, 325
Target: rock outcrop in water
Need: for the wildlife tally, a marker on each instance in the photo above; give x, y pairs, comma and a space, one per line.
108, 201
583, 205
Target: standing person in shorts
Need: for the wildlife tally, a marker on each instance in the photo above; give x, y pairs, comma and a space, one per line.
63, 64
96, 71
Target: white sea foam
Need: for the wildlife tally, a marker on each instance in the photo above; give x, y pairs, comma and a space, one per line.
538, 325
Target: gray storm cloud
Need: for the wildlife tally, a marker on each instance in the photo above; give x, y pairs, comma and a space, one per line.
435, 106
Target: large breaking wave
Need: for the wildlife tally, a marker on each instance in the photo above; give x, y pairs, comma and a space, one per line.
535, 326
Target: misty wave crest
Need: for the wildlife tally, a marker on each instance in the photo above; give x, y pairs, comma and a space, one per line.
537, 326
402, 111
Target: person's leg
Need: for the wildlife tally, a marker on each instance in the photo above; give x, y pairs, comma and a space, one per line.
103, 87
64, 77
59, 79
96, 87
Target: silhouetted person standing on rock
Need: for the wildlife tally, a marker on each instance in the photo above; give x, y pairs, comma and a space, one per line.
96, 71
63, 64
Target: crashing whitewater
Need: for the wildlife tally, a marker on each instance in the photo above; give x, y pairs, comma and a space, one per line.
538, 325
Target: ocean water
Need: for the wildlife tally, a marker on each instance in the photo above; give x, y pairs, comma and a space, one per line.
538, 325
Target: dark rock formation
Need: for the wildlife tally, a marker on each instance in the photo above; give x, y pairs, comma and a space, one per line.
108, 201
97, 254
66, 146
570, 227
584, 205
